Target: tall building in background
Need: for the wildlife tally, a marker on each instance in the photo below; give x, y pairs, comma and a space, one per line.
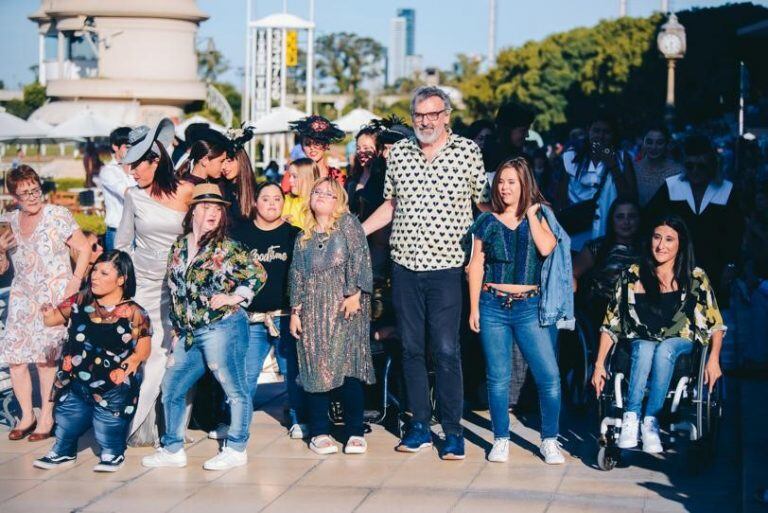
396, 63
410, 29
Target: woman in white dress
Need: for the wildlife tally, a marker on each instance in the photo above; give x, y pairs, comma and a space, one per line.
38, 242
151, 222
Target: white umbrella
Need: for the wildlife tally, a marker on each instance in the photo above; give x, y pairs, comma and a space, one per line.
13, 128
87, 124
355, 119
276, 122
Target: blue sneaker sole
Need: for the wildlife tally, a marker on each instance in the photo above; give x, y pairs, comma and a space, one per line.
405, 448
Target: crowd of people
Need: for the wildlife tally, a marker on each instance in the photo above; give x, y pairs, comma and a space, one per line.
204, 271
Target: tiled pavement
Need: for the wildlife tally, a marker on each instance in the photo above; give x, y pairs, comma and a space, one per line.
284, 476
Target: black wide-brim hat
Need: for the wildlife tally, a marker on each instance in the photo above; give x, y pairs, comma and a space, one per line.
318, 129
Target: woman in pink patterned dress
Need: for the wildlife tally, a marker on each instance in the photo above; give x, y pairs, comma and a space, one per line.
39, 247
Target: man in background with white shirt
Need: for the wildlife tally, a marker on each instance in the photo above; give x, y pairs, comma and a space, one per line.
114, 181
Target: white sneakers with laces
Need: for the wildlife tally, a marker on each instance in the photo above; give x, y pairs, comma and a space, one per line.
500, 450
550, 449
296, 432
629, 428
226, 459
164, 458
650, 434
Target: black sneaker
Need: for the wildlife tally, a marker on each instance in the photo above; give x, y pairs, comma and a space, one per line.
53, 460
109, 463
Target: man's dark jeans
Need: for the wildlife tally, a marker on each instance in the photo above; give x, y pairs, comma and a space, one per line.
430, 302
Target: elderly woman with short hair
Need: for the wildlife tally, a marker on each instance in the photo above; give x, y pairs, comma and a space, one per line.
39, 240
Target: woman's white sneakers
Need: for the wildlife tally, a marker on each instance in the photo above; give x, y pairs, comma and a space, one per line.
323, 444
164, 458
650, 434
500, 451
297, 431
226, 459
356, 445
629, 429
550, 449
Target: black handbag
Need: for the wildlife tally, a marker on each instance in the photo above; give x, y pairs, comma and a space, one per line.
578, 217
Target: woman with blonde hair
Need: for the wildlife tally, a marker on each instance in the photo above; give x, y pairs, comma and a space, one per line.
506, 286
302, 174
330, 283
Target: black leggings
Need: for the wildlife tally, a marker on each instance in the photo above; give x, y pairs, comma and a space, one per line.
352, 399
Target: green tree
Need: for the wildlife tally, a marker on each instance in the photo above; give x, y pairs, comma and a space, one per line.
34, 98
348, 59
211, 63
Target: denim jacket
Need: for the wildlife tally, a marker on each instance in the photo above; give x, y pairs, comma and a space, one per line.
556, 305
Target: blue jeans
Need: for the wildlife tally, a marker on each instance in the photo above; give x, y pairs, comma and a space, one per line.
502, 326
222, 347
259, 344
109, 239
656, 359
76, 412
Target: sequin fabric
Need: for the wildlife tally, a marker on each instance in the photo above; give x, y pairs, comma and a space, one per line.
324, 270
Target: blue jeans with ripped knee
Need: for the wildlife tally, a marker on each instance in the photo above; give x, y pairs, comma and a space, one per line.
655, 360
221, 347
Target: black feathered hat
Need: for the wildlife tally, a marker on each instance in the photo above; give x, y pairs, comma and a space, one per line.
237, 139
391, 129
318, 129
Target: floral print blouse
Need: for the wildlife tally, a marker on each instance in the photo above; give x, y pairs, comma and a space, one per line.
697, 318
100, 340
223, 267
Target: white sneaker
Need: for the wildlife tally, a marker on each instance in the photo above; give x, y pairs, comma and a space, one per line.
165, 458
323, 444
500, 451
550, 449
296, 432
356, 445
629, 428
220, 433
650, 434
226, 459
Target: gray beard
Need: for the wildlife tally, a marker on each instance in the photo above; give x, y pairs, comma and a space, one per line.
426, 139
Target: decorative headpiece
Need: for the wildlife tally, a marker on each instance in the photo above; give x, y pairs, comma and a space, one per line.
317, 128
238, 137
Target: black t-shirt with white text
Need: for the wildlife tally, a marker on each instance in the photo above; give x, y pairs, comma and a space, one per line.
274, 250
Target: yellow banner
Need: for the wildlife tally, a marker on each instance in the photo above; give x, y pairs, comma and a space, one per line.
291, 49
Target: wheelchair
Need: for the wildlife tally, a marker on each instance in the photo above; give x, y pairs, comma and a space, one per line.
690, 411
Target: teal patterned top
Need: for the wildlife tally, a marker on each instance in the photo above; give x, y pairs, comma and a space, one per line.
218, 268
511, 256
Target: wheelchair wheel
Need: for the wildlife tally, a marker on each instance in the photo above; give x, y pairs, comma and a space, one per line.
607, 458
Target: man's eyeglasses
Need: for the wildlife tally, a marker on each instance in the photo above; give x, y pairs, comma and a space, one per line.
30, 194
429, 116
324, 194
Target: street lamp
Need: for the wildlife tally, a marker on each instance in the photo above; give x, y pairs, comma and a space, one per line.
671, 43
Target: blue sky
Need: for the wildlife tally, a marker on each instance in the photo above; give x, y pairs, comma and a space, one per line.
456, 26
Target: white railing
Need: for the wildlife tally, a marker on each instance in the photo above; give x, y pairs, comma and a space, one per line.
71, 69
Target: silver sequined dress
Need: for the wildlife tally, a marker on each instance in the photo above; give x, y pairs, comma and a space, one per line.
324, 270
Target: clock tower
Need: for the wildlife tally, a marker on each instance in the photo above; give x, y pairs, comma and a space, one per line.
672, 45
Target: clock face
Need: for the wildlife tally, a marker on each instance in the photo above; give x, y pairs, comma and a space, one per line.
670, 44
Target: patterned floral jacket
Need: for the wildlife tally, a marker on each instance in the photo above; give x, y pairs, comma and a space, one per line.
219, 268
697, 318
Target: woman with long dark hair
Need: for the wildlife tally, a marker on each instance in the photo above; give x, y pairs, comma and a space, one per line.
663, 306
509, 247
239, 181
151, 222
206, 158
602, 260
98, 381
596, 171
211, 279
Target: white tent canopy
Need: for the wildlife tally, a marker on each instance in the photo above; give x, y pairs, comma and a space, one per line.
355, 119
13, 128
85, 124
276, 122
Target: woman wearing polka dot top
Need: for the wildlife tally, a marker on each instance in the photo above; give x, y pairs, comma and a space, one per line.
99, 378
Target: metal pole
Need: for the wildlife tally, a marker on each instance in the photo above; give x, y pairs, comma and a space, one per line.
665, 6
284, 68
622, 8
41, 59
246, 106
491, 33
310, 69
742, 86
312, 11
671, 83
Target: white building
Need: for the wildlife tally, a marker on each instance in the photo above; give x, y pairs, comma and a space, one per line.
396, 61
129, 60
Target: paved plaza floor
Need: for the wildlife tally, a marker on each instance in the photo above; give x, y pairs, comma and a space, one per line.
284, 476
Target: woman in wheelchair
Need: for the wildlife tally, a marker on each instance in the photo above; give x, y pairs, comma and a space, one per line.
662, 307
